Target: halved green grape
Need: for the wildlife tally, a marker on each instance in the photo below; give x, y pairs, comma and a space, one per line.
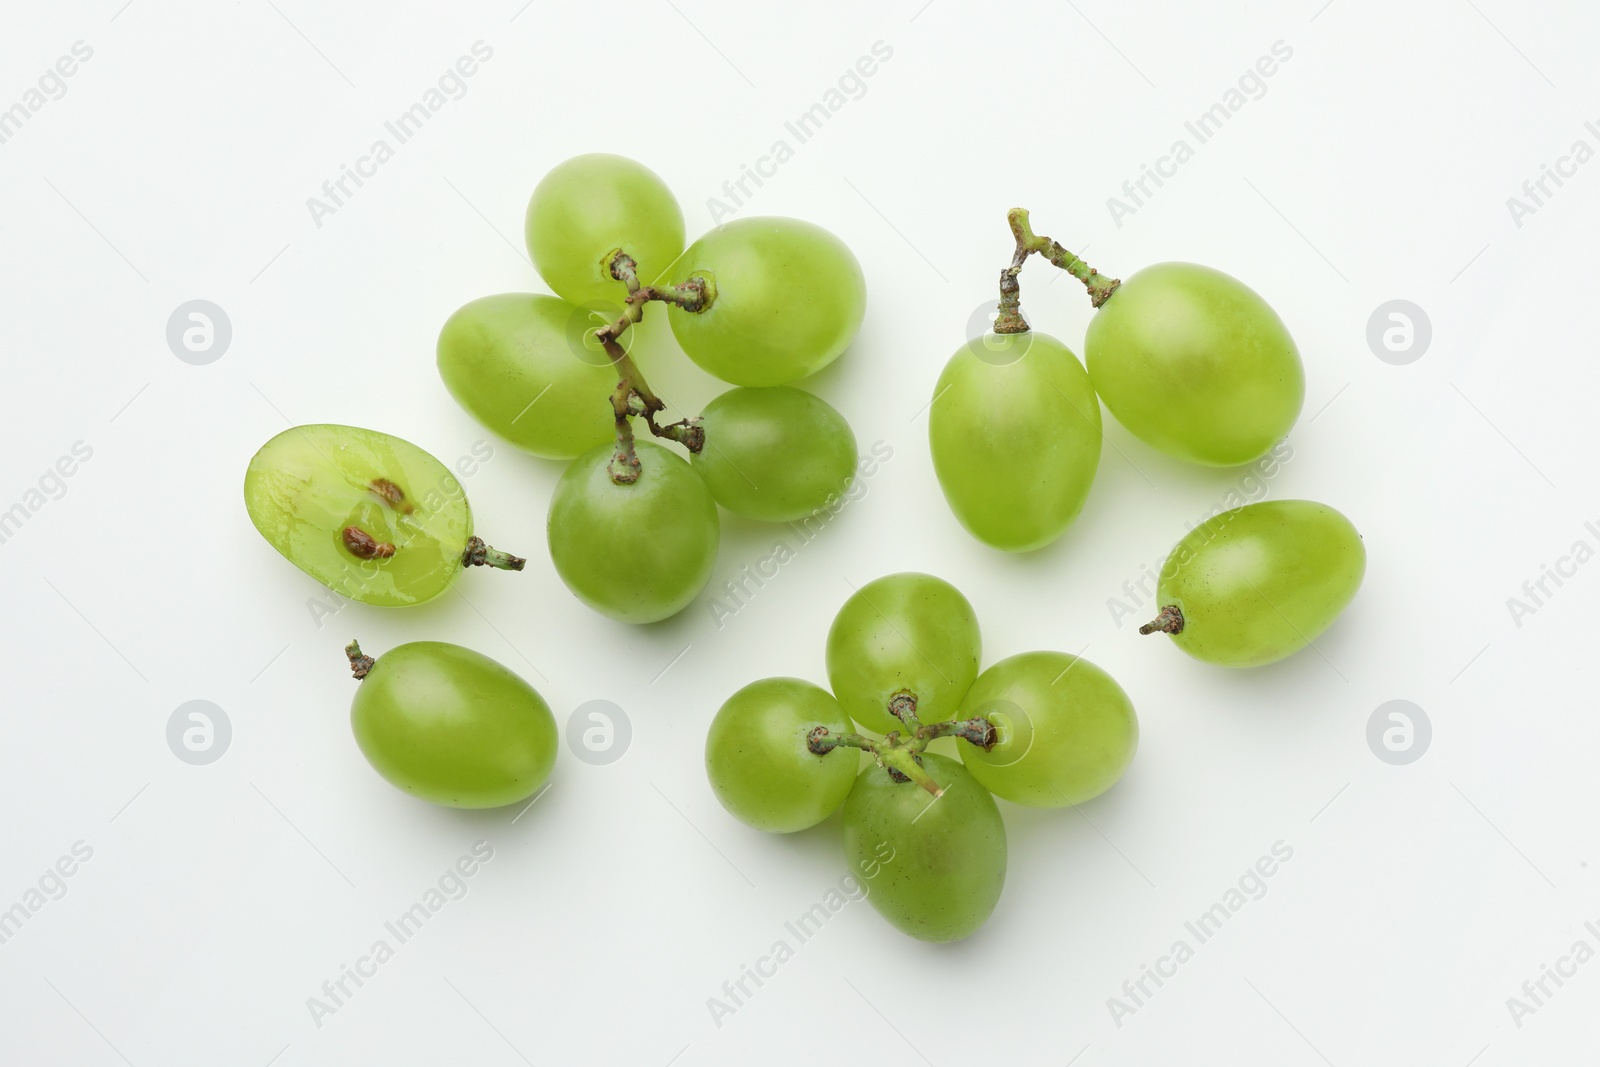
789, 298
450, 725
904, 632
1067, 730
934, 867
1258, 583
529, 369
1196, 364
758, 762
1015, 433
774, 454
590, 206
365, 513
638, 552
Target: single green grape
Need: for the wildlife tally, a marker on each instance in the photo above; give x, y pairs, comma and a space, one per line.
367, 514
789, 298
1067, 730
590, 206
774, 454
758, 762
528, 368
934, 867
1015, 434
1196, 364
1258, 583
452, 726
638, 552
903, 632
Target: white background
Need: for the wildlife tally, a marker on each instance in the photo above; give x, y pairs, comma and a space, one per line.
1376, 166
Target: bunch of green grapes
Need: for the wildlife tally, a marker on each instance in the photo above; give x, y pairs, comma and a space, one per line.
921, 831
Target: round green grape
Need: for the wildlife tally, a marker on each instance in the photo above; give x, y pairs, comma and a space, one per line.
454, 727
1015, 434
934, 867
775, 454
789, 299
529, 369
1196, 364
367, 514
590, 206
1067, 730
903, 632
758, 762
1258, 583
639, 552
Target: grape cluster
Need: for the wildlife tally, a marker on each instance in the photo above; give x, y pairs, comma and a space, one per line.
1042, 729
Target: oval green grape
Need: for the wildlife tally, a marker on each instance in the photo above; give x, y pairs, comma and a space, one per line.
903, 632
790, 297
1258, 583
452, 726
1067, 730
1015, 434
934, 867
775, 454
1195, 363
639, 552
758, 762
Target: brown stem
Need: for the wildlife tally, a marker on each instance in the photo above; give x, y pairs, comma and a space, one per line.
1010, 319
479, 554
360, 665
977, 731
1170, 621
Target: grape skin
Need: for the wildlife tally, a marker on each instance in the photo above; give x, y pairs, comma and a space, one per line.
775, 454
758, 762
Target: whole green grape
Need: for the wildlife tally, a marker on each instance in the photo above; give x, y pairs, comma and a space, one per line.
933, 867
758, 762
451, 726
903, 632
592, 205
365, 513
790, 297
1015, 434
1067, 730
1258, 583
1196, 364
639, 552
774, 454
528, 368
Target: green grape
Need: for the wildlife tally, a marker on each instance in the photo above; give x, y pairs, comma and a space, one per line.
758, 762
1258, 583
1196, 364
934, 867
452, 726
1067, 730
639, 552
590, 206
366, 514
774, 454
1015, 433
903, 632
789, 298
528, 368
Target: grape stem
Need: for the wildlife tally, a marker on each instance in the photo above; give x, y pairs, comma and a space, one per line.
359, 664
902, 756
479, 554
1010, 319
1170, 621
633, 396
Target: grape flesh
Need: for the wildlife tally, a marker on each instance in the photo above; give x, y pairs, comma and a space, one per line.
1067, 730
903, 632
587, 208
1015, 434
789, 299
774, 454
454, 727
1260, 582
934, 867
639, 552
1196, 364
758, 762
310, 484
